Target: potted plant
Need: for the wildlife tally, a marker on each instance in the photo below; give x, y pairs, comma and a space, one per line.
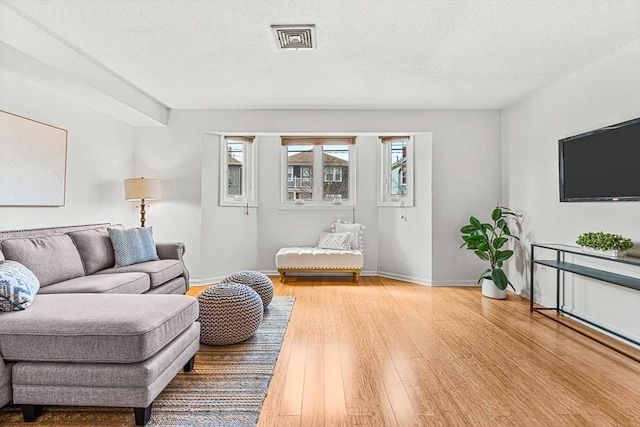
487, 241
613, 245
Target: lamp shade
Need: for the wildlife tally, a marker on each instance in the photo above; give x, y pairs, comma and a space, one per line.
141, 188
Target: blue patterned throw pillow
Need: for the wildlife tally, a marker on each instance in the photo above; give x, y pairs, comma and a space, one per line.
133, 246
18, 286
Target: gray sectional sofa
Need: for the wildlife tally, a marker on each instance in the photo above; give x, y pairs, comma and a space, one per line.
79, 259
90, 338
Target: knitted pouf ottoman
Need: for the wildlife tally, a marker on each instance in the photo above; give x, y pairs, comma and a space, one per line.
229, 313
256, 281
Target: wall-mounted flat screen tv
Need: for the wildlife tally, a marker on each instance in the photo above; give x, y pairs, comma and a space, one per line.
602, 164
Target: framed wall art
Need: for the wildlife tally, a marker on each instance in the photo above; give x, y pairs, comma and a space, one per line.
33, 159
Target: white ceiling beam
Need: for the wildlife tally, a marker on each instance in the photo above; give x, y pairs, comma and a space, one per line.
29, 51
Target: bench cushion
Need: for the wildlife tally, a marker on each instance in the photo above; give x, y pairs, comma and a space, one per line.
318, 258
102, 328
159, 271
125, 283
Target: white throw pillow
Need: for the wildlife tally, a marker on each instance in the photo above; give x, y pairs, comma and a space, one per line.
335, 241
356, 230
18, 286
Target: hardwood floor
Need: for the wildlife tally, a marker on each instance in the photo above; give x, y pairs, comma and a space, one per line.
389, 353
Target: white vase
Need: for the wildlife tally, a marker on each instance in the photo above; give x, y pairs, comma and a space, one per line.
490, 290
610, 254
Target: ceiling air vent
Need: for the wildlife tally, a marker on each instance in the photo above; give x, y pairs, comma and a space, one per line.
295, 37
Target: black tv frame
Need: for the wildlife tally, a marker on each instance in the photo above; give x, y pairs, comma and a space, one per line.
561, 166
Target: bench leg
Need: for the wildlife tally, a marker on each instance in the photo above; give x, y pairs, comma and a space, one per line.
356, 276
30, 413
189, 366
142, 415
283, 276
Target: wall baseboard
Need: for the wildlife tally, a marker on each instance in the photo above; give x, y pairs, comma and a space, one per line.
402, 277
457, 283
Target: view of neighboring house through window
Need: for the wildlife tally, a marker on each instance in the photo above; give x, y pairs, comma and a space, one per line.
396, 171
330, 159
300, 172
237, 171
335, 164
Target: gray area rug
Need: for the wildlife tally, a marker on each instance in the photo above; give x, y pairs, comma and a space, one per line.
226, 387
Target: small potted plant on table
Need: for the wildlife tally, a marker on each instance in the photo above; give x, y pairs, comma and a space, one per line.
487, 241
607, 244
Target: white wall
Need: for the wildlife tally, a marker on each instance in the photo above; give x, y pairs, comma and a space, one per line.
603, 93
464, 146
302, 227
405, 235
99, 158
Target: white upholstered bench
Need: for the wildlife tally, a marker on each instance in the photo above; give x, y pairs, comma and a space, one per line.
318, 260
323, 259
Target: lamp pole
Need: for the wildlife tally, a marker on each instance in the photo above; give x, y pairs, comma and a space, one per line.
142, 212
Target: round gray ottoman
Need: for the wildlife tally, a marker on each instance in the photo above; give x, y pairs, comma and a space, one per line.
229, 313
256, 281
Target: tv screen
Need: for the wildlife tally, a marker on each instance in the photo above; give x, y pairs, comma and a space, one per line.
603, 164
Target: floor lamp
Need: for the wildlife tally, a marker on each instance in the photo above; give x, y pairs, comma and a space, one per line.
142, 189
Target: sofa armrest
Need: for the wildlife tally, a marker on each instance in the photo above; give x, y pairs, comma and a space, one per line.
170, 250
174, 250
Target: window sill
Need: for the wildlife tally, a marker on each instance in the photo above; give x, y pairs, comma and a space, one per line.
309, 206
237, 204
396, 204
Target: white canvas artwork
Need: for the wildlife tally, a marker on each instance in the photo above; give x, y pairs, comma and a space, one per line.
32, 162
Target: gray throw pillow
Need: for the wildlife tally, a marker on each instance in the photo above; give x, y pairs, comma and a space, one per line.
133, 246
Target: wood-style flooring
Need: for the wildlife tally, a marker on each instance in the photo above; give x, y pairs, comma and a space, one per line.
389, 353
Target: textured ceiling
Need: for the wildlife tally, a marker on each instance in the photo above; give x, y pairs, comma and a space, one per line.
371, 54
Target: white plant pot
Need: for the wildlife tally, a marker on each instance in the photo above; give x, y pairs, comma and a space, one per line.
611, 254
490, 290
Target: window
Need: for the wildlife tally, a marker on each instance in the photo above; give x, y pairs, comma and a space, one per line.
237, 171
332, 159
396, 184
332, 174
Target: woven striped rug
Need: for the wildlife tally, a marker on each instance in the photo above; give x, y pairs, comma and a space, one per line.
226, 387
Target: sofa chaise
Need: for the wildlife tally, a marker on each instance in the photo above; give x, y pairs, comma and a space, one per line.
94, 335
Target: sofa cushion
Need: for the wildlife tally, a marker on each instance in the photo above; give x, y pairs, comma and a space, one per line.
159, 271
125, 283
173, 286
94, 246
5, 382
113, 375
92, 328
18, 286
51, 258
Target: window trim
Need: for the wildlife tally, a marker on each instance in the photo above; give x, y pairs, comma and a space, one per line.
385, 199
250, 172
318, 171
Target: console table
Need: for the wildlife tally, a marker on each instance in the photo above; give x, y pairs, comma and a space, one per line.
574, 267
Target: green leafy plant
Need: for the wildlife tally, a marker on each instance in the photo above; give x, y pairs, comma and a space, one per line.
604, 241
487, 241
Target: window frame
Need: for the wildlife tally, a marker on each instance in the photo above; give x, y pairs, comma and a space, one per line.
318, 171
249, 172
385, 199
